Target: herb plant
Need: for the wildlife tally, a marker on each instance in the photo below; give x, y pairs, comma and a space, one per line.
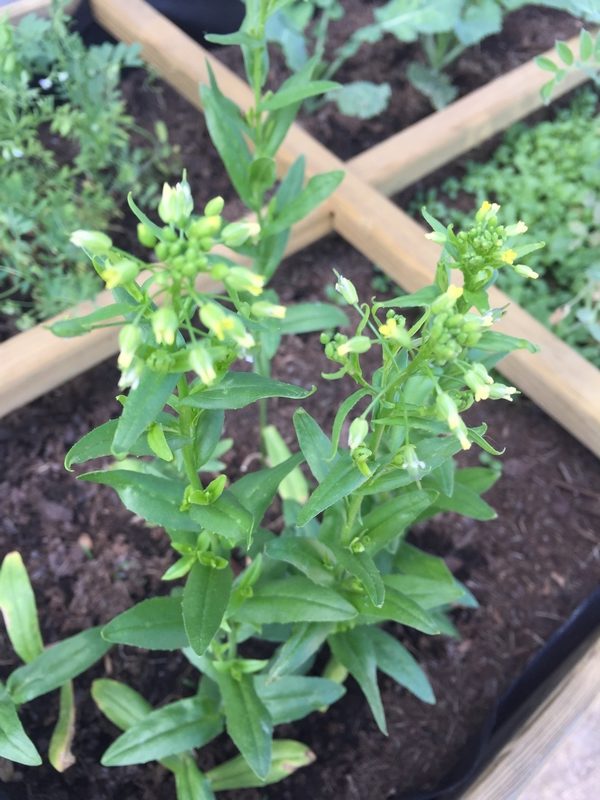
43, 671
559, 193
63, 165
339, 566
587, 59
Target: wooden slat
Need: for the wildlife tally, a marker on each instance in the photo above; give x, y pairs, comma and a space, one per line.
527, 751
20, 8
439, 138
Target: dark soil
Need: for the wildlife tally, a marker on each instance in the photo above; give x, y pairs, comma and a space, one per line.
526, 33
89, 559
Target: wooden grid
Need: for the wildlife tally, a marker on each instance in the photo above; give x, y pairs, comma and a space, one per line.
558, 379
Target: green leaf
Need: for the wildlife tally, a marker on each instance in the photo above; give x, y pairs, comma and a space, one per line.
395, 660
294, 485
205, 600
310, 317
354, 650
586, 45
248, 721
343, 478
157, 442
419, 299
294, 599
364, 569
240, 389
226, 129
388, 520
121, 704
57, 665
292, 94
294, 697
207, 434
409, 19
304, 642
497, 342
17, 604
142, 406
478, 21
79, 325
310, 556
258, 489
314, 444
164, 732
565, 53
59, 750
155, 499
15, 745
397, 607
318, 189
287, 757
466, 502
190, 783
546, 64
435, 85
226, 517
479, 479
156, 229
154, 624
361, 99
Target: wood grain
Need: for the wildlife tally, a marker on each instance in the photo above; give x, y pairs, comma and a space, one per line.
529, 750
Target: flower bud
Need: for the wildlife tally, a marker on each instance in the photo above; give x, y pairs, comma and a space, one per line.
357, 433
391, 329
446, 409
216, 320
236, 233
447, 300
242, 279
408, 459
478, 380
525, 272
165, 325
176, 204
498, 391
201, 362
486, 210
130, 338
94, 242
347, 290
145, 235
204, 226
357, 344
120, 273
516, 229
214, 207
263, 309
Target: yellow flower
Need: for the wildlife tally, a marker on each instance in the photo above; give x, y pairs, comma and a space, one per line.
508, 256
389, 328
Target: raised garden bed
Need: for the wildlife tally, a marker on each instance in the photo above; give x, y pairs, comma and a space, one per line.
545, 469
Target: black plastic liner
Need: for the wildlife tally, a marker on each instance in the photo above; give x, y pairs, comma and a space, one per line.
195, 17
483, 745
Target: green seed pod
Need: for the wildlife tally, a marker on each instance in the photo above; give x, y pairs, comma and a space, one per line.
145, 235
214, 207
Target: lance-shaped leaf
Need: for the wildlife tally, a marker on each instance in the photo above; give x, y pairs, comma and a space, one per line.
397, 607
292, 92
294, 697
310, 317
190, 783
59, 750
362, 567
205, 600
310, 556
314, 443
294, 599
343, 478
248, 721
155, 499
80, 325
240, 389
258, 489
287, 757
354, 650
143, 405
304, 642
17, 603
154, 624
123, 706
164, 732
395, 660
57, 665
467, 502
388, 520
315, 192
294, 485
15, 745
227, 517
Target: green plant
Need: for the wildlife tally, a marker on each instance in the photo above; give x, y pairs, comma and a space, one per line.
587, 60
63, 165
341, 566
554, 164
44, 670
